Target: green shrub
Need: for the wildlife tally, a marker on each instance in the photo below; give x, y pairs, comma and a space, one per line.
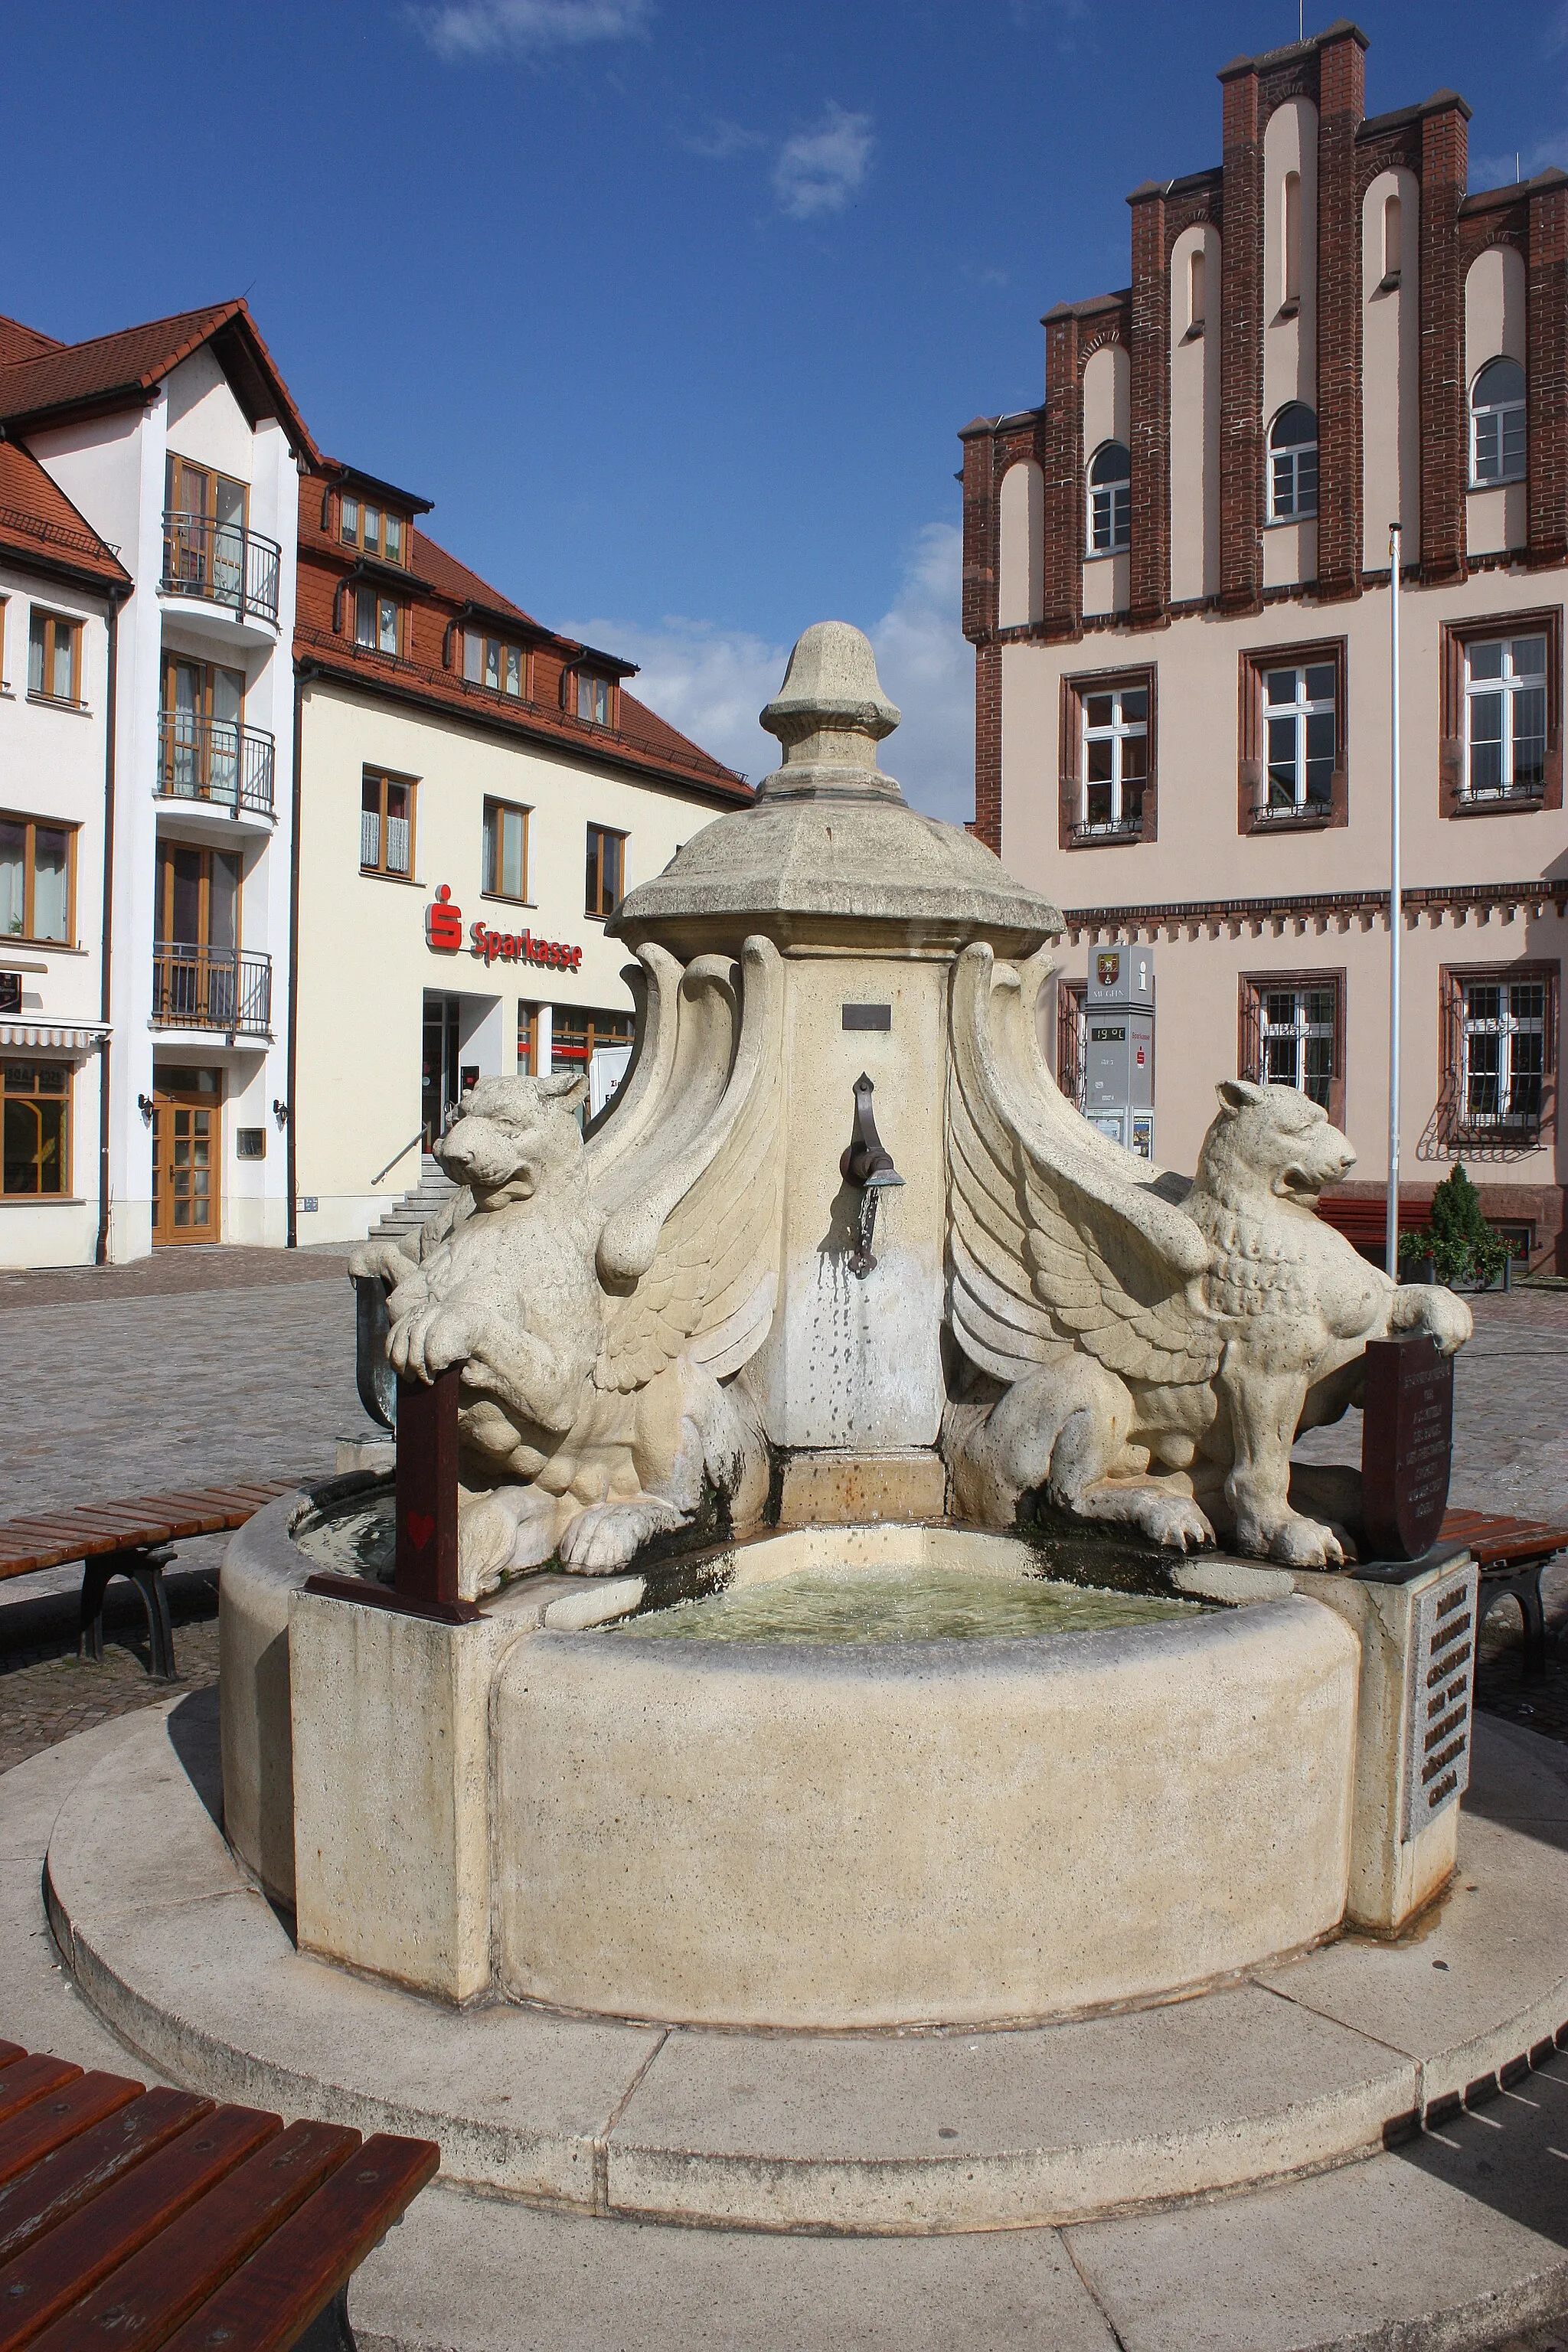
1461, 1244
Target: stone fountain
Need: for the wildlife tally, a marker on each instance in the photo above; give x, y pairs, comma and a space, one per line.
838, 1436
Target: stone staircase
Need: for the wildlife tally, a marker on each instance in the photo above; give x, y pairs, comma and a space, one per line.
427, 1196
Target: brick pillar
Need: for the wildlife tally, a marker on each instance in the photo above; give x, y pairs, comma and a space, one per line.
988, 826
1443, 465
1546, 368
982, 528
1062, 462
1342, 69
1241, 347
1149, 557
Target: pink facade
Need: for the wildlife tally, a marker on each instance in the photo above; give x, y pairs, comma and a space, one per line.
1176, 580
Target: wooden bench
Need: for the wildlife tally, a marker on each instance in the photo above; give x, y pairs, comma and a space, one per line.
1511, 1554
153, 2218
131, 1539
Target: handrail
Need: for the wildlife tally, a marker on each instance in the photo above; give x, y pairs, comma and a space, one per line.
197, 987
397, 1156
223, 563
214, 760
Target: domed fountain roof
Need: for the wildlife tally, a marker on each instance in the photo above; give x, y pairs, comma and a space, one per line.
830, 849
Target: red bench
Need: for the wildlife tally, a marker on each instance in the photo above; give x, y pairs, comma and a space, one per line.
129, 1540
154, 2218
1511, 1554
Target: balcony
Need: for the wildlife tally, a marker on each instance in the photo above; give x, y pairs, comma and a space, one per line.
215, 762
212, 988
223, 564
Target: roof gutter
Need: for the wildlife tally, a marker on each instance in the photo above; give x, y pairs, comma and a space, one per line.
303, 673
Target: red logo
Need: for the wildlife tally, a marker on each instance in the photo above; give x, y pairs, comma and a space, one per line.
421, 1528
443, 923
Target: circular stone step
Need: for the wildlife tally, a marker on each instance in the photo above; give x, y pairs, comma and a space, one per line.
1301, 2066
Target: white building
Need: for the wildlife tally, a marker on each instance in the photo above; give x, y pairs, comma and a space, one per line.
477, 793
162, 739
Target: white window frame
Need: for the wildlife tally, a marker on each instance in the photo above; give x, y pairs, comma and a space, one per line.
1109, 505
1507, 1026
1288, 494
1491, 423
1121, 731
1300, 708
1508, 688
1297, 1033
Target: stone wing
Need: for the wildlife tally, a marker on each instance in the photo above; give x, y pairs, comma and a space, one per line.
1057, 1236
689, 1254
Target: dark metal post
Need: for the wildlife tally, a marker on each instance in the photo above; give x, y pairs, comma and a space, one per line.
428, 1490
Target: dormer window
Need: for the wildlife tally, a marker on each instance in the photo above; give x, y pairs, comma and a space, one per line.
371, 529
488, 661
593, 699
381, 623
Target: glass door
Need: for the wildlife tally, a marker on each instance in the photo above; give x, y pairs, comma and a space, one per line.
187, 1158
439, 1076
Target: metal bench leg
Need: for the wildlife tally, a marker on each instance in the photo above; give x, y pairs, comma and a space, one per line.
148, 1579
145, 1570
329, 2330
1527, 1592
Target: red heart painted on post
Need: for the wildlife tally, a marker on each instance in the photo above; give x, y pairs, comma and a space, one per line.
421, 1526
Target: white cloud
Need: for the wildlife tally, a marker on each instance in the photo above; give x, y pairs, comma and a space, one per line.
476, 28
711, 682
721, 140
818, 170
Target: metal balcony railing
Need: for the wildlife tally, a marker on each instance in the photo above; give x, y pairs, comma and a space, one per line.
215, 760
211, 988
222, 563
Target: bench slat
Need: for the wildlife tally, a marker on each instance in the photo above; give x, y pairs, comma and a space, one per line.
48, 2123
62, 2183
147, 2298
49, 1540
65, 2265
30, 2079
270, 2300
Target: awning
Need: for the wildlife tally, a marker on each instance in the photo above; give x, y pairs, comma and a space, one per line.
49, 1037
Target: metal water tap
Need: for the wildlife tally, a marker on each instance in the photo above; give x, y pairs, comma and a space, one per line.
867, 1164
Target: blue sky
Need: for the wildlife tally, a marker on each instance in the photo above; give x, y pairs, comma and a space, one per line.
674, 307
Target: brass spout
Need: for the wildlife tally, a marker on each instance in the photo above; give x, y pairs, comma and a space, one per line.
866, 1163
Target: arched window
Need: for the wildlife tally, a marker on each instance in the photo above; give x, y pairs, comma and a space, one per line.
1293, 464
1496, 423
1110, 499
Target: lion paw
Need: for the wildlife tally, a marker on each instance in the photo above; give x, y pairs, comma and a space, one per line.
1306, 1543
607, 1535
1176, 1520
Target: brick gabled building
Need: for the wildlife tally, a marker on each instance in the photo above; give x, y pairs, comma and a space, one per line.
451, 743
1176, 580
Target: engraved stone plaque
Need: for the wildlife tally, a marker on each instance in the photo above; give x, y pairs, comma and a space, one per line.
1407, 1429
1442, 1661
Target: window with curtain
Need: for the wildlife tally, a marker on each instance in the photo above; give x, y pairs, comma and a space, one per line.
606, 870
593, 698
386, 824
506, 851
491, 662
54, 656
36, 879
1498, 425
37, 1114
380, 622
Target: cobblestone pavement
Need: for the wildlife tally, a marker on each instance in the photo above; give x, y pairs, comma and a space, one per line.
200, 1366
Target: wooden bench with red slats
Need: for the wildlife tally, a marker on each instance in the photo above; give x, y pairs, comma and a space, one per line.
156, 2218
1511, 1554
129, 1540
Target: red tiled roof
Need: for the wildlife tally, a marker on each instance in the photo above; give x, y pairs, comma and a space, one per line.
125, 366
19, 342
441, 587
38, 521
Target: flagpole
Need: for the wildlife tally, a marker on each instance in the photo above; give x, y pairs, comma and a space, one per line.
1395, 909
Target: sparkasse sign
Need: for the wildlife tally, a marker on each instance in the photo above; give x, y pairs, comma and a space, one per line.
443, 936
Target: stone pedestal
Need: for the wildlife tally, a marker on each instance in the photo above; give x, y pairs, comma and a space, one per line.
829, 1490
1413, 1727
391, 1716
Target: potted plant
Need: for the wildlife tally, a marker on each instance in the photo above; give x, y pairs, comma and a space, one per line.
1456, 1246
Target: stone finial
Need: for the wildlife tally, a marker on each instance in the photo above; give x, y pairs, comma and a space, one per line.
831, 714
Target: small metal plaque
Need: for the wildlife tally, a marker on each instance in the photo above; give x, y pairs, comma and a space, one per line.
867, 1016
10, 992
1442, 1664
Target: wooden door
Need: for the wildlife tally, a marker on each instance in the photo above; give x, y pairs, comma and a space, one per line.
187, 1160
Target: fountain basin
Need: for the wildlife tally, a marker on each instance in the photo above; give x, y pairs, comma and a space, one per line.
886, 1834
